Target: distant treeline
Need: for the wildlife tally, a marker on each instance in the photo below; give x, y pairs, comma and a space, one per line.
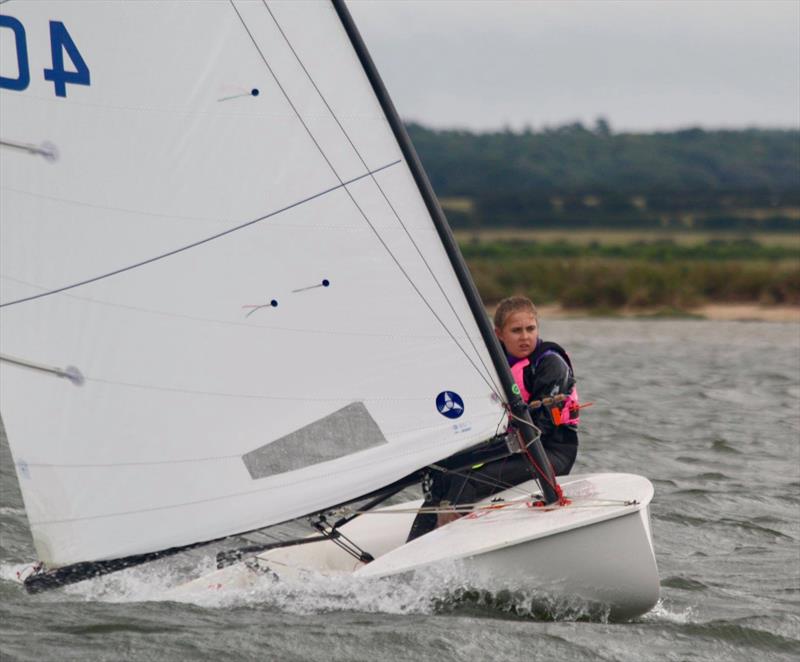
578, 177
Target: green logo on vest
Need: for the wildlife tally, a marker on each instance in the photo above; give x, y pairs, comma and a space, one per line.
515, 389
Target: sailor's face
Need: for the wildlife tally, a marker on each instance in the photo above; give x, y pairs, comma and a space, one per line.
519, 333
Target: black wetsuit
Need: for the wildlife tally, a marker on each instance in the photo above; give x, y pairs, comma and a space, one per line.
549, 373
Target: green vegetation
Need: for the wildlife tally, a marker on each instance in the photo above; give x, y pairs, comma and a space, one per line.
624, 237
589, 218
662, 250
606, 277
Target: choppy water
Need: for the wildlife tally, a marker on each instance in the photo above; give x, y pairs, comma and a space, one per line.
709, 411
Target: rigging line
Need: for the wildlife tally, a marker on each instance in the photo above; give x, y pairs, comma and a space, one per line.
355, 203
491, 482
139, 213
193, 460
453, 507
70, 372
503, 418
130, 267
47, 150
364, 467
261, 396
90, 205
515, 505
395, 337
385, 196
531, 424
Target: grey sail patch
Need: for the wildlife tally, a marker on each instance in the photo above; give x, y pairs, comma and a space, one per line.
345, 431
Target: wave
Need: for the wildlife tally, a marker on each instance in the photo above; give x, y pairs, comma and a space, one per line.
442, 590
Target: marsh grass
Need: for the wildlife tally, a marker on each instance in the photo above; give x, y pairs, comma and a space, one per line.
666, 275
600, 236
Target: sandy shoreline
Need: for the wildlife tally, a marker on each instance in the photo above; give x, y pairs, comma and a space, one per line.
727, 312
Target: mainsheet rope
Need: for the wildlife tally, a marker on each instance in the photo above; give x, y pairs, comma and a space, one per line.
498, 505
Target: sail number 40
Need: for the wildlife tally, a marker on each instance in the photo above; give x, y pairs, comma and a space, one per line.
60, 43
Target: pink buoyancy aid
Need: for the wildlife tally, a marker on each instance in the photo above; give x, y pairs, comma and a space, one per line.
516, 371
568, 415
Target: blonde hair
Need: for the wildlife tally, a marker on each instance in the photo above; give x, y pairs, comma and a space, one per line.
512, 305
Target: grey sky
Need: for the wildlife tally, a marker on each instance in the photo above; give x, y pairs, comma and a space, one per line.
643, 64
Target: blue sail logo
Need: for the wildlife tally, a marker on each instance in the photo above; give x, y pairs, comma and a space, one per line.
450, 404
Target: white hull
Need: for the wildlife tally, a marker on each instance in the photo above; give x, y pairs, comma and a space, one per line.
597, 550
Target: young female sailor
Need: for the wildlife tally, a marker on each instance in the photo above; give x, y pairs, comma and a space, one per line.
541, 370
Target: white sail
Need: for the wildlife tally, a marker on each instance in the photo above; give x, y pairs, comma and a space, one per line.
207, 215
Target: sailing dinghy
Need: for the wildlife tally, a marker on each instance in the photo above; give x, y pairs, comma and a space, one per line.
229, 299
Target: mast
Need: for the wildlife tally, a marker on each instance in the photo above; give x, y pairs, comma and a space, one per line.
517, 406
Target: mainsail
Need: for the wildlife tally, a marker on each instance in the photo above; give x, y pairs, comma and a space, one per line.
224, 301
